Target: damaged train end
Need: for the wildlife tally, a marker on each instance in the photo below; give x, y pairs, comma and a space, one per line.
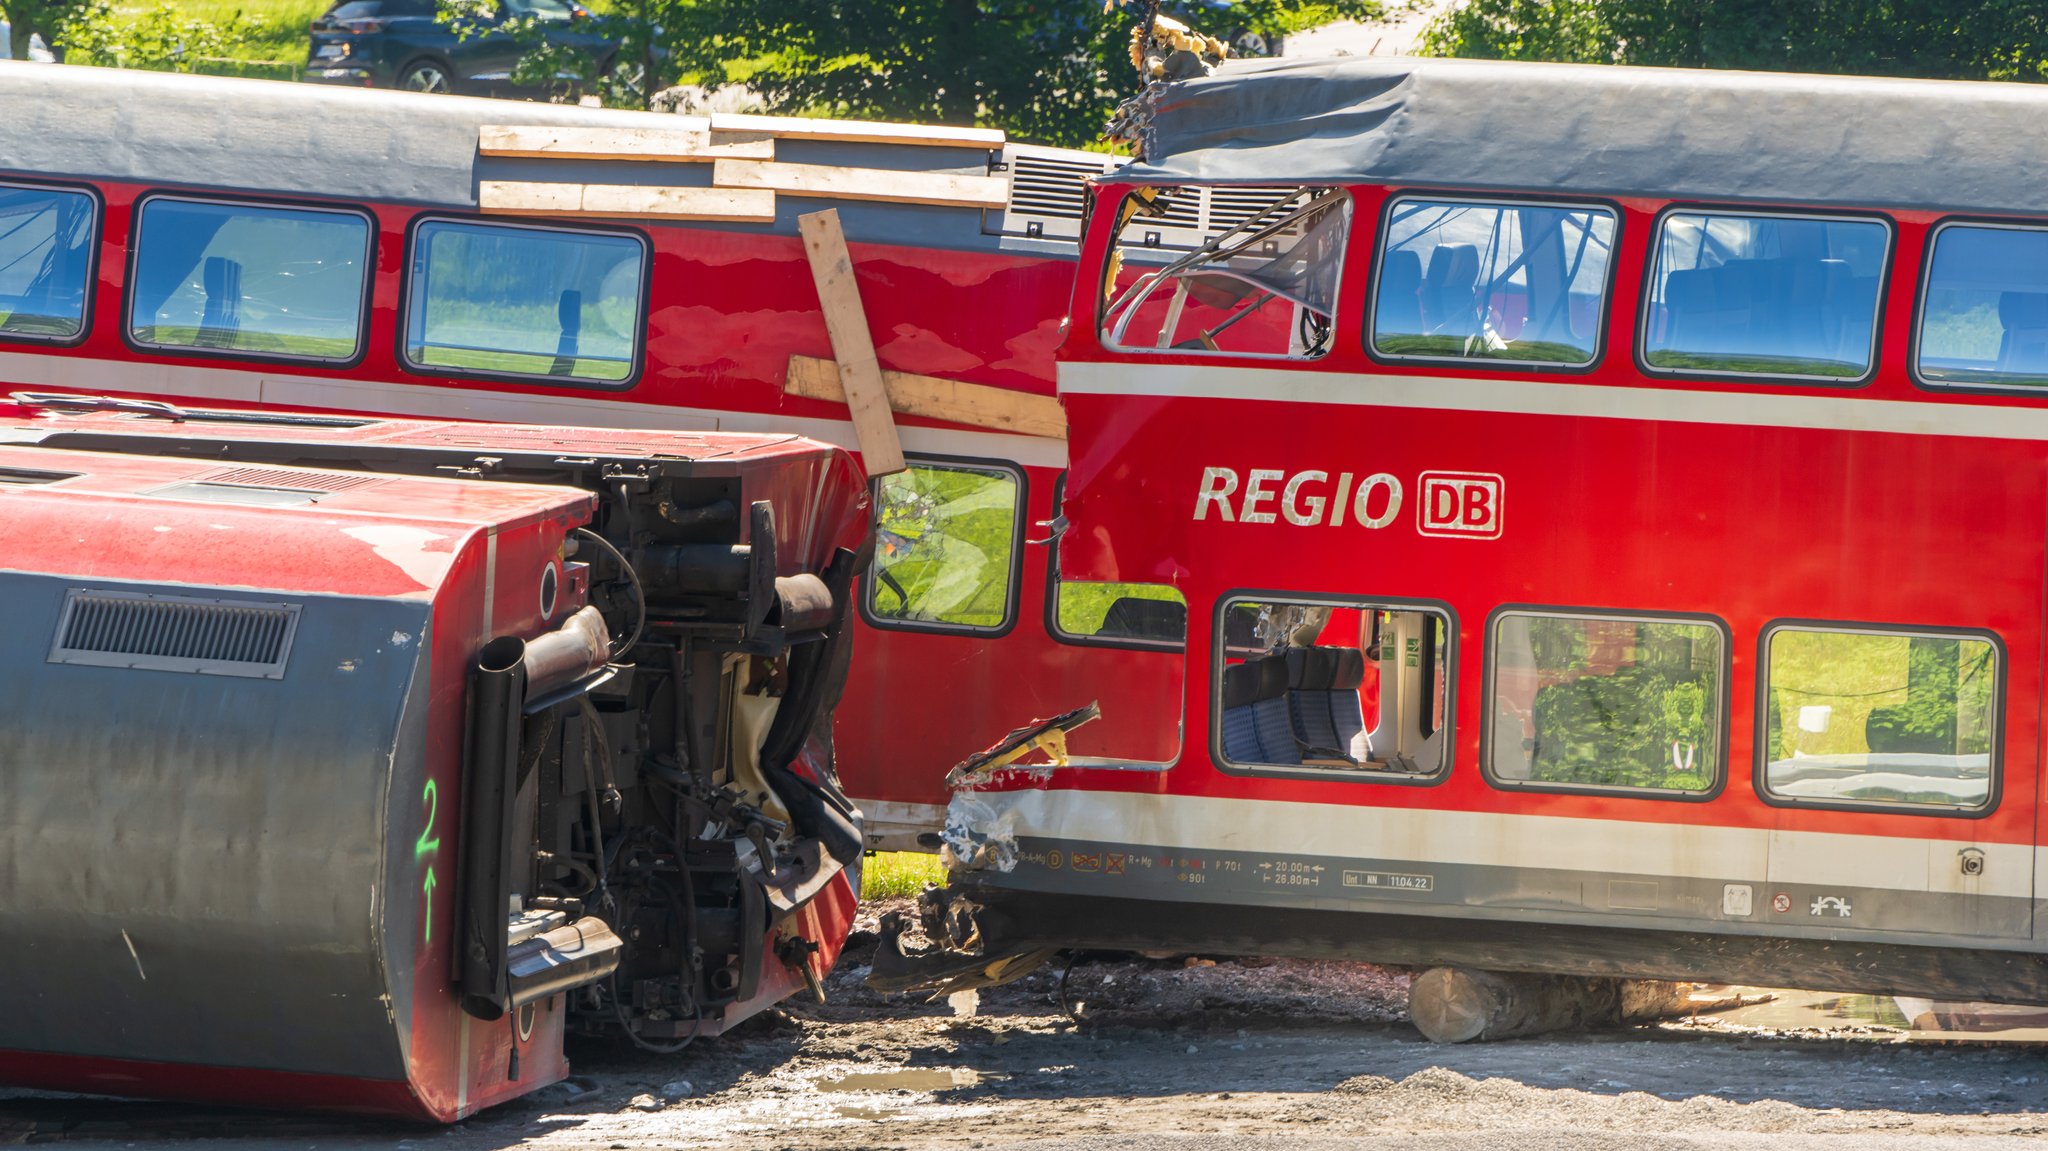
350, 764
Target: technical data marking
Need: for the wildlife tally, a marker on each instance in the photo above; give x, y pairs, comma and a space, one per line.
1291, 873
1389, 881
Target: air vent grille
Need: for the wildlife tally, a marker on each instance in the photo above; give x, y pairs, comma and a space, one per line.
189, 634
299, 478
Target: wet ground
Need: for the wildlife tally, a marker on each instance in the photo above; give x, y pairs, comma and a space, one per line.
1193, 1056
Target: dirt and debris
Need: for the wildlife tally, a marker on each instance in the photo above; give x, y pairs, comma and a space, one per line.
1202, 1053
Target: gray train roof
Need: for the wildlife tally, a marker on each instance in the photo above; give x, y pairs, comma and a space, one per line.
366, 146
1610, 131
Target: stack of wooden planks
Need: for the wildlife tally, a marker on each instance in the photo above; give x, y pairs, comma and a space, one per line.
745, 174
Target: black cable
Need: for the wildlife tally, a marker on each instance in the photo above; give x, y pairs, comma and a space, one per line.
633, 578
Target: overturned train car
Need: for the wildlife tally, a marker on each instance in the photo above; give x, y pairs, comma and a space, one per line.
351, 763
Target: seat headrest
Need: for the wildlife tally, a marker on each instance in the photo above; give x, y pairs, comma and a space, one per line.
1347, 671
2023, 309
1310, 668
1401, 272
1254, 680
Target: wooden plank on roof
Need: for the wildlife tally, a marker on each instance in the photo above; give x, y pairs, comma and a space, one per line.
835, 183
853, 346
625, 201
857, 131
678, 145
955, 401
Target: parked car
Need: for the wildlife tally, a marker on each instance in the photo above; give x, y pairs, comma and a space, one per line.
401, 44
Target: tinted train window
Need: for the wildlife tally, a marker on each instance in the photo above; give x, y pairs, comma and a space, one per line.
1984, 315
946, 541
46, 242
1606, 702
249, 278
1330, 686
1765, 295
499, 299
1263, 282
1863, 717
1522, 283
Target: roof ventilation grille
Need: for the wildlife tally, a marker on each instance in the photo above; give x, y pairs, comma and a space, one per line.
156, 632
297, 478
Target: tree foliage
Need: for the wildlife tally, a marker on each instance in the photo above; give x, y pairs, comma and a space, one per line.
28, 18
1936, 39
159, 39
1044, 70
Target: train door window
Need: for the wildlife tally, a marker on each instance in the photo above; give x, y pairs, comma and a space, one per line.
1892, 720
946, 548
1787, 296
1984, 308
46, 255
525, 301
1335, 687
1607, 702
254, 279
1516, 283
1264, 284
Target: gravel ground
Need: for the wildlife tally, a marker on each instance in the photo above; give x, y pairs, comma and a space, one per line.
1185, 1055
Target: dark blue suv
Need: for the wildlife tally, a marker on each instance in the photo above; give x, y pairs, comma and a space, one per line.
399, 44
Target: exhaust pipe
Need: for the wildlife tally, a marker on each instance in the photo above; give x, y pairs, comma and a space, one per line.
513, 677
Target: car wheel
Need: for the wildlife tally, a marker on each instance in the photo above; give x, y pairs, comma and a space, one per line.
429, 76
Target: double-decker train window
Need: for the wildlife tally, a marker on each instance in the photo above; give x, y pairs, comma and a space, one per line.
46, 249
946, 548
1260, 280
1513, 283
527, 301
1607, 702
1889, 719
1334, 687
254, 279
1765, 295
1984, 309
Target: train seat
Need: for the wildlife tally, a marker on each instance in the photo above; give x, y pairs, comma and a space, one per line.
2024, 345
1130, 617
1322, 701
1399, 311
1448, 303
1256, 725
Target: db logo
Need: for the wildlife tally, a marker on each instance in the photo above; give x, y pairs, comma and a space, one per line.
1460, 504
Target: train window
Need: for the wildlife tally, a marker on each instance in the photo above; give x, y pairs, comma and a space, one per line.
1984, 310
522, 300
1607, 702
1265, 283
46, 250
946, 547
1517, 283
1886, 719
1789, 296
1115, 612
255, 279
1335, 687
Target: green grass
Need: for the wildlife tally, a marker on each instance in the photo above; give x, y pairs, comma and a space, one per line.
283, 39
1753, 365
1084, 603
890, 874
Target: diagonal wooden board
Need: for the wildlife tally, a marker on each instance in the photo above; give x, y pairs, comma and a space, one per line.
954, 401
853, 346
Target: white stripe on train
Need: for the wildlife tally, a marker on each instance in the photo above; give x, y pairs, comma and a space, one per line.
1548, 398
225, 383
1495, 839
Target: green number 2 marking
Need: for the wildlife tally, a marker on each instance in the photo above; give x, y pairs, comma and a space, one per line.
427, 846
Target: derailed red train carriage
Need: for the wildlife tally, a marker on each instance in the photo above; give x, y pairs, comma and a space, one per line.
1610, 506
351, 763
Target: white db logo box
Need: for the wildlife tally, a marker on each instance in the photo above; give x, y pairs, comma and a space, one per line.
1462, 504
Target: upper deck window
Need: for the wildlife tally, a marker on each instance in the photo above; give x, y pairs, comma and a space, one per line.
1984, 313
519, 300
1263, 285
257, 279
45, 262
1518, 283
1735, 294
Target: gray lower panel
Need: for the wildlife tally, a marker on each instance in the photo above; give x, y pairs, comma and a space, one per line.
1396, 886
